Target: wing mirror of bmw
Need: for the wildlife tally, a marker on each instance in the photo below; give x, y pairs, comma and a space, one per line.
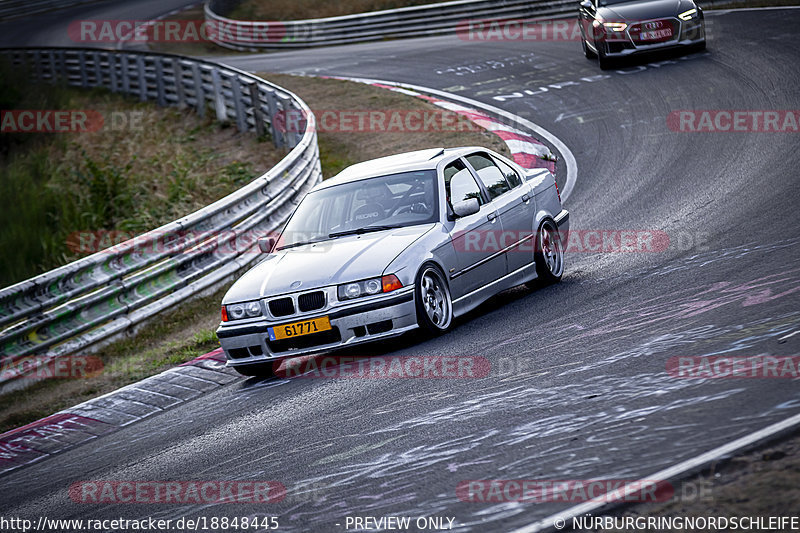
467, 207
266, 244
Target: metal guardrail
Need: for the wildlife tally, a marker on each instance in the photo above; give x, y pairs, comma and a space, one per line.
416, 21
103, 295
10, 9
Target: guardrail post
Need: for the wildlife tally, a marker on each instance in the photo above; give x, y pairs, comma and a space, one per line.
37, 62
62, 66
219, 98
238, 104
112, 72
125, 73
52, 59
177, 75
286, 107
272, 105
142, 79
259, 120
82, 67
98, 72
161, 98
199, 93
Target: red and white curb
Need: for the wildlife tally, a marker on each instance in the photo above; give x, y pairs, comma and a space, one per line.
105, 414
526, 151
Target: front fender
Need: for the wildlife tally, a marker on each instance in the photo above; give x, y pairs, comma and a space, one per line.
435, 247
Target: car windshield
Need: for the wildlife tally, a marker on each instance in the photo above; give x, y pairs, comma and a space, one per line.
373, 204
603, 3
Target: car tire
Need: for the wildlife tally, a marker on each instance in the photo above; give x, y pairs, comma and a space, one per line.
433, 301
549, 253
261, 370
587, 51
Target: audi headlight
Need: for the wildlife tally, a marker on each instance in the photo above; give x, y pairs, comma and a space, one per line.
243, 310
616, 27
368, 287
688, 15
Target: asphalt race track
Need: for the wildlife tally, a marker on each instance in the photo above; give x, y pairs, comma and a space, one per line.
578, 387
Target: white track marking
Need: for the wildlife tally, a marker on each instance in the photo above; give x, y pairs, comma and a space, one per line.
673, 472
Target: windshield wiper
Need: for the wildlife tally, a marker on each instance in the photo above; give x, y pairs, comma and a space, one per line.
364, 229
296, 244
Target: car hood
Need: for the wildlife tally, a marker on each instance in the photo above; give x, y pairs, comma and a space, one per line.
350, 258
641, 10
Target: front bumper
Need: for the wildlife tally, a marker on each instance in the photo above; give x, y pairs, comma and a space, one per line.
353, 322
690, 33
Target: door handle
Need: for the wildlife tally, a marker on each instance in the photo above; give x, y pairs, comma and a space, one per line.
491, 216
525, 197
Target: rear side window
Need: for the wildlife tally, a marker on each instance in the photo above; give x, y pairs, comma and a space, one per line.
511, 175
459, 183
491, 176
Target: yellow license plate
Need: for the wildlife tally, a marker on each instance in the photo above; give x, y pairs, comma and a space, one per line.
302, 327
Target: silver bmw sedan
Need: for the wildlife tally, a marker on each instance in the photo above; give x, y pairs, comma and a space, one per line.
401, 242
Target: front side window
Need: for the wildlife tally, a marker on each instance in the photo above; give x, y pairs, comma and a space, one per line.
459, 184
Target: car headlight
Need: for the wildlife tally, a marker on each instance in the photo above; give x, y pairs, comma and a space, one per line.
368, 287
688, 15
616, 27
240, 311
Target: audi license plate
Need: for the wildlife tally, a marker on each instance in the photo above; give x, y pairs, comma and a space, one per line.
655, 35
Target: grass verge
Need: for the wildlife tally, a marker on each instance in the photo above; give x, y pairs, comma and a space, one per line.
144, 167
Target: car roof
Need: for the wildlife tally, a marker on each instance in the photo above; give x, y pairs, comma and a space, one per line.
426, 159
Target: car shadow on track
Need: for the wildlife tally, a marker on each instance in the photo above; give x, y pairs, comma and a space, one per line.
536, 296
641, 61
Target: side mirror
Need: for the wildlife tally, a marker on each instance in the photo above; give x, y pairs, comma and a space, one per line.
586, 4
467, 207
266, 244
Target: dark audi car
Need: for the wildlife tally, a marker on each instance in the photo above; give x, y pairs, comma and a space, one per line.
619, 28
